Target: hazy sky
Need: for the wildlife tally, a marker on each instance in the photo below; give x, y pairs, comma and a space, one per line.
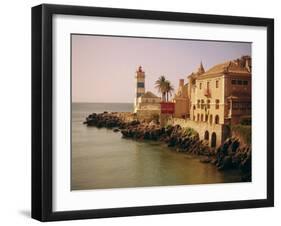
103, 67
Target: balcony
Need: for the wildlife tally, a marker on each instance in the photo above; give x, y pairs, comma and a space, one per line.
207, 93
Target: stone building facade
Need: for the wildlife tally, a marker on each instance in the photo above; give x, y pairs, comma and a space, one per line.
182, 101
220, 96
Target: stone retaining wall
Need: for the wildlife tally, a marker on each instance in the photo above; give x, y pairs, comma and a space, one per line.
216, 134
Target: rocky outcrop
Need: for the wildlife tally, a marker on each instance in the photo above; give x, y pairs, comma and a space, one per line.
234, 154
109, 120
182, 139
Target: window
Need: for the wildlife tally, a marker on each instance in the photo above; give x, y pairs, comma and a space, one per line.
243, 106
202, 104
206, 118
235, 105
217, 119
140, 85
217, 84
198, 103
217, 104
239, 82
208, 104
200, 85
198, 117
202, 117
208, 85
211, 119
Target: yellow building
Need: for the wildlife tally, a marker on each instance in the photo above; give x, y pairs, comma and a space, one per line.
222, 94
215, 98
181, 100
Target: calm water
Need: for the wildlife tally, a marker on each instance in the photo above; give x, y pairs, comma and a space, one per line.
102, 159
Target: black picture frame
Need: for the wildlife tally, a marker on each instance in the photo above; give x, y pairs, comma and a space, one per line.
42, 111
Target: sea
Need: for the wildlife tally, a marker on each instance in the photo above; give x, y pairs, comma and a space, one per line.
102, 159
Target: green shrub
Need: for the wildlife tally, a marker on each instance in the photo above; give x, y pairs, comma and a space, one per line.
243, 131
246, 120
189, 131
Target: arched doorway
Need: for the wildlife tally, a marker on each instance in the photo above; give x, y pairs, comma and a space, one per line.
217, 119
213, 140
206, 135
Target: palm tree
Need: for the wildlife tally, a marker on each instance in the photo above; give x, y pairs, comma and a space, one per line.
160, 84
168, 89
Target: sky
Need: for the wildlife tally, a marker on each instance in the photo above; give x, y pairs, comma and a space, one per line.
104, 67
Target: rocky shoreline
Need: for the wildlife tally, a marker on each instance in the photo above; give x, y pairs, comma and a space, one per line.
232, 154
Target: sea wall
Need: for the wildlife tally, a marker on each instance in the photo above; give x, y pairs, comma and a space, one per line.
215, 134
148, 115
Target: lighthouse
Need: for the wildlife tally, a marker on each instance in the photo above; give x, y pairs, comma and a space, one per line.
140, 85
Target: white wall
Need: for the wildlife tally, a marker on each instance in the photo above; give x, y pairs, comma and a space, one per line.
15, 111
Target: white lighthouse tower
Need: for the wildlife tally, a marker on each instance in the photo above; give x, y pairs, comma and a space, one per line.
140, 86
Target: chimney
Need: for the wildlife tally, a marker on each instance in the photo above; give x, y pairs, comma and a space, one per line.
248, 64
181, 82
238, 62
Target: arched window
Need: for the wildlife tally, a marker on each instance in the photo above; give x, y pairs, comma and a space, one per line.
217, 119
206, 135
211, 119
213, 140
206, 118
202, 118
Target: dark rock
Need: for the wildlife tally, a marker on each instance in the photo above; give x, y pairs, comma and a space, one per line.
214, 161
226, 163
205, 159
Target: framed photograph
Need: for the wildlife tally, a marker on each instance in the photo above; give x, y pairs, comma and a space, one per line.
145, 112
